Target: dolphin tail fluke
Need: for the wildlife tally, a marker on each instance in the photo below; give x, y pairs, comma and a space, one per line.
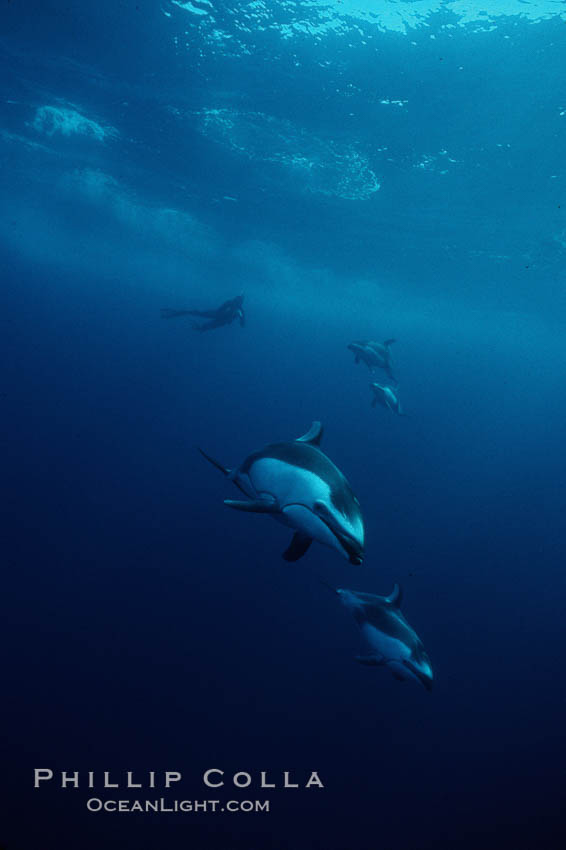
297, 548
215, 463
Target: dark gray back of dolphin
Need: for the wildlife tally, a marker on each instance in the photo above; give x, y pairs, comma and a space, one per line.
309, 457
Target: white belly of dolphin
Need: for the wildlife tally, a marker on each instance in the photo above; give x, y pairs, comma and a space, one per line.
301, 518
389, 647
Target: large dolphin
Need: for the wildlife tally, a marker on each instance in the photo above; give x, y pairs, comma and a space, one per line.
387, 397
390, 640
299, 486
374, 354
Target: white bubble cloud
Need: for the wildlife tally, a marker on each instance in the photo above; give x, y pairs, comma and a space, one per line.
53, 120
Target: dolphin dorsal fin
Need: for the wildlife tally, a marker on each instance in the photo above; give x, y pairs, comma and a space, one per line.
313, 435
395, 596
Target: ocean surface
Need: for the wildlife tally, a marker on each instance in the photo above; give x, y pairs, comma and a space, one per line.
360, 171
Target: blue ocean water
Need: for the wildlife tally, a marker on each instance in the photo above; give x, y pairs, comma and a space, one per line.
360, 171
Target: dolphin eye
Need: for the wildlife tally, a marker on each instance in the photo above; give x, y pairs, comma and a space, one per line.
320, 508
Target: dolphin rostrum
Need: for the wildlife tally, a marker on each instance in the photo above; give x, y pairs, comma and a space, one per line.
391, 642
387, 397
374, 355
298, 485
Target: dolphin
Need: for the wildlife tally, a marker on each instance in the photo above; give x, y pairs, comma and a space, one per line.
298, 485
374, 355
390, 639
387, 397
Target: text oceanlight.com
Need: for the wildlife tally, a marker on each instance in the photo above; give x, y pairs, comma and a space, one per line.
95, 804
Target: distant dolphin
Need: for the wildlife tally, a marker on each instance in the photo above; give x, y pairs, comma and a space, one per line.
391, 640
300, 487
374, 354
387, 397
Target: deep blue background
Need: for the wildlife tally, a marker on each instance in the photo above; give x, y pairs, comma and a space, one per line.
146, 627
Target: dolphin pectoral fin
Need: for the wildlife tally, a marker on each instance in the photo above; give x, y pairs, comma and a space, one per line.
370, 660
297, 547
256, 506
224, 470
313, 435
